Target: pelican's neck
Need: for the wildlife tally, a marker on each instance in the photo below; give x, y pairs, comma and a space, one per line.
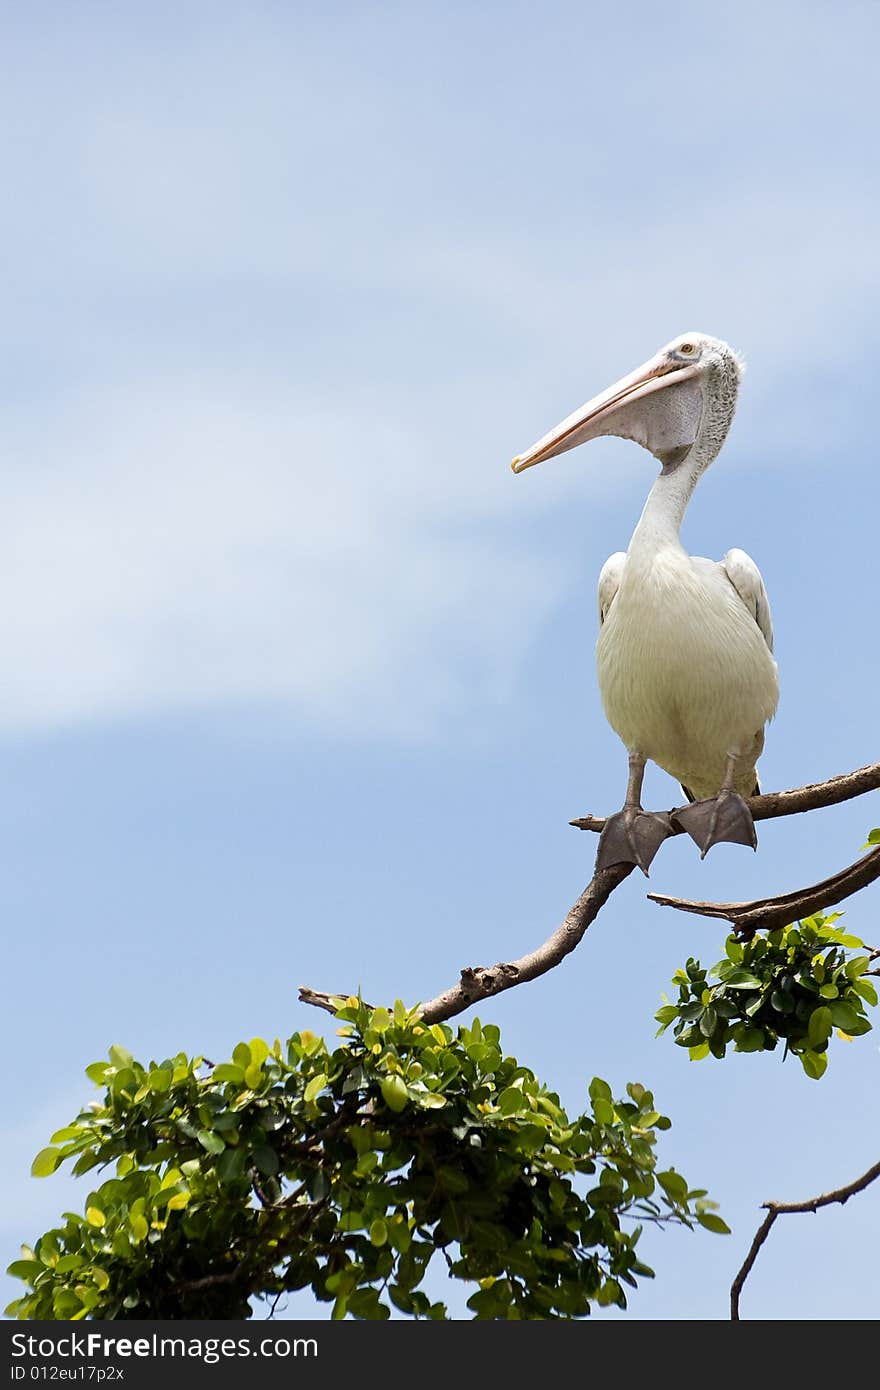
660, 523
659, 526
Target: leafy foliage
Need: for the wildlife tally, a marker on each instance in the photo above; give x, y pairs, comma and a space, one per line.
346, 1171
797, 984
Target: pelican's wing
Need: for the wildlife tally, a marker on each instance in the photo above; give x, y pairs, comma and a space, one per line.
609, 582
745, 577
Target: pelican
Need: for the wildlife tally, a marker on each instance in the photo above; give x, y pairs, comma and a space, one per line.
685, 648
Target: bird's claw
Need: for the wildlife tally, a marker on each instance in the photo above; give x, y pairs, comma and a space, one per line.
722, 817
632, 836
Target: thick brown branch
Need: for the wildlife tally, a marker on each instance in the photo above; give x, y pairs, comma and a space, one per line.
774, 1209
483, 982
769, 805
765, 914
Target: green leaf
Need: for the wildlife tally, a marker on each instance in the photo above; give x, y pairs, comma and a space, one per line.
61, 1136
781, 1001
742, 979
266, 1160
857, 966
691, 1012
430, 1100
228, 1071
46, 1161
379, 1231
139, 1227
315, 1086
512, 1101
698, 1052
69, 1262
749, 1040
844, 1016
231, 1164
820, 1026
394, 1093
603, 1111
364, 1303
814, 1063
674, 1185
713, 1223
210, 1141
708, 1021
867, 989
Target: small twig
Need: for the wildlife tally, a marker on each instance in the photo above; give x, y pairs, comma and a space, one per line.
275, 1301
774, 1209
264, 1199
210, 1280
770, 805
331, 1002
765, 914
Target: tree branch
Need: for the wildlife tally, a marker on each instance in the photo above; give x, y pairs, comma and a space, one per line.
210, 1280
769, 805
480, 982
765, 914
330, 1002
774, 1209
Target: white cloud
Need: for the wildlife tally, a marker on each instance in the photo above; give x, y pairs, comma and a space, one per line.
170, 548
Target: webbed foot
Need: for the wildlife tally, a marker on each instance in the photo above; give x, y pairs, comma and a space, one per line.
632, 836
722, 817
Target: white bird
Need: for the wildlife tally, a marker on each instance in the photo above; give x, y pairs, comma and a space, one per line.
685, 649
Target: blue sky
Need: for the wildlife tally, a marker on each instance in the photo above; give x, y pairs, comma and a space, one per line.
298, 678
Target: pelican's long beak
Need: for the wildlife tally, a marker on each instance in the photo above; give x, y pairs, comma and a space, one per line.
604, 414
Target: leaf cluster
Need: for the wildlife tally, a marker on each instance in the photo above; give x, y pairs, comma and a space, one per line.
795, 985
346, 1171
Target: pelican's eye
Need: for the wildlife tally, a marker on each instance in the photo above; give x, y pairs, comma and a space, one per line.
687, 349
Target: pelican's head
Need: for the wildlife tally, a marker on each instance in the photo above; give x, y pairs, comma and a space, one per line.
685, 391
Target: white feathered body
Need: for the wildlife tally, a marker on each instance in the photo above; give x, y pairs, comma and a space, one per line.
685, 664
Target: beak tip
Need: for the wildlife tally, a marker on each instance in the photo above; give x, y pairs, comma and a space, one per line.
514, 463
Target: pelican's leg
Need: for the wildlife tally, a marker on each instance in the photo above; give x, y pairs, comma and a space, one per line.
722, 817
633, 836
